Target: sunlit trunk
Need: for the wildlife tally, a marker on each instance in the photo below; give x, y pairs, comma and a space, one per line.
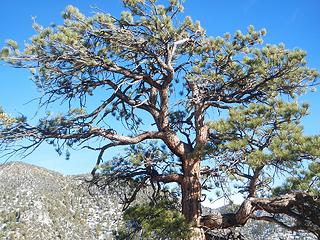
191, 197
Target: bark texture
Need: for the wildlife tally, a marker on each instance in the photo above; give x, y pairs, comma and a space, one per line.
191, 193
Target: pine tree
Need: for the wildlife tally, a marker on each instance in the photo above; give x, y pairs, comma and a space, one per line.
205, 113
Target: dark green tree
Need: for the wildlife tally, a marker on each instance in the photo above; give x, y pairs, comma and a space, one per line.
154, 221
224, 110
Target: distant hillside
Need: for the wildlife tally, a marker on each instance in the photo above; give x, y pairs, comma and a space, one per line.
38, 204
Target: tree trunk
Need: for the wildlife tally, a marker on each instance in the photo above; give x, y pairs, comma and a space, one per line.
191, 197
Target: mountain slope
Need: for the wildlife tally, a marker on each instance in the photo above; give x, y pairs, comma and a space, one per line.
36, 203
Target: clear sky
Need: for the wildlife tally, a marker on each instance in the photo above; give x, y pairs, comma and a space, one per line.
292, 22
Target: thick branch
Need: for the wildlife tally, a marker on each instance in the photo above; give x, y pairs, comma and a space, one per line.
301, 207
174, 177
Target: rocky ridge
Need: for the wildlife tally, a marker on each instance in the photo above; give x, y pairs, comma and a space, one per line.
37, 204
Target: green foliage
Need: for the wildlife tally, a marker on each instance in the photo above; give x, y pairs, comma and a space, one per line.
135, 158
159, 221
13, 44
4, 53
266, 134
306, 180
6, 121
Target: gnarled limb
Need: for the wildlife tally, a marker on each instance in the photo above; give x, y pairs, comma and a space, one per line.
303, 209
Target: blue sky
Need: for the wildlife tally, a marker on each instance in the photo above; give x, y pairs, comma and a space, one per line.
294, 23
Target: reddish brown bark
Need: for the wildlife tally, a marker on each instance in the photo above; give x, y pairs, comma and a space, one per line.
191, 192
191, 196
